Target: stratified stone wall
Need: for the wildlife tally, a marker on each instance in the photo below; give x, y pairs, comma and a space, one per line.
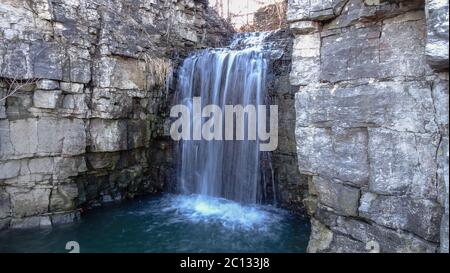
284, 184
372, 122
90, 127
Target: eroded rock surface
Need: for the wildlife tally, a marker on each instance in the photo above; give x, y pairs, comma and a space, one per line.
372, 122
90, 127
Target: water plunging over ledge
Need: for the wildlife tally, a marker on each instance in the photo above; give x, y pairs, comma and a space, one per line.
220, 208
235, 75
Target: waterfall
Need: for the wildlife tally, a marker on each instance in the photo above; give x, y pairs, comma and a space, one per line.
235, 75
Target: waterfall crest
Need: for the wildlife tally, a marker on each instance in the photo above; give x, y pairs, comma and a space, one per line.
235, 75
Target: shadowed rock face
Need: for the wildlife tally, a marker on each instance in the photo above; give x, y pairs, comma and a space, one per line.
91, 128
372, 122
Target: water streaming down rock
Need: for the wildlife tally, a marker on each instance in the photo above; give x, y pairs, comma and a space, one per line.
235, 75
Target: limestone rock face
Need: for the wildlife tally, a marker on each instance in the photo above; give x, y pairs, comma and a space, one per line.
284, 184
437, 33
314, 10
371, 81
89, 126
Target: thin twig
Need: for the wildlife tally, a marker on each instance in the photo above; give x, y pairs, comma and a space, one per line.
13, 85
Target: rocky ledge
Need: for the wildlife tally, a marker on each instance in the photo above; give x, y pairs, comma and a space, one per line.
91, 88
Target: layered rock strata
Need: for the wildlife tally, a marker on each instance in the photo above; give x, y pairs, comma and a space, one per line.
91, 89
371, 80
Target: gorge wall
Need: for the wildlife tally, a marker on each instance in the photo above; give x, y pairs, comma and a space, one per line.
371, 80
368, 80
289, 185
87, 123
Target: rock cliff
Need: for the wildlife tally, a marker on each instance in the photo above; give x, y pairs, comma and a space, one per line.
89, 88
372, 122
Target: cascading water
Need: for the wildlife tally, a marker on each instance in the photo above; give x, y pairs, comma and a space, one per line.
212, 174
235, 75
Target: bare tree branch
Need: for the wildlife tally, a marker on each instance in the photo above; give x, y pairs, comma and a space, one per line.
13, 85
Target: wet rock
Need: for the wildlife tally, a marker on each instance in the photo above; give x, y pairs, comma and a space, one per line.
31, 222
138, 133
5, 223
66, 167
102, 160
64, 218
63, 197
5, 205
